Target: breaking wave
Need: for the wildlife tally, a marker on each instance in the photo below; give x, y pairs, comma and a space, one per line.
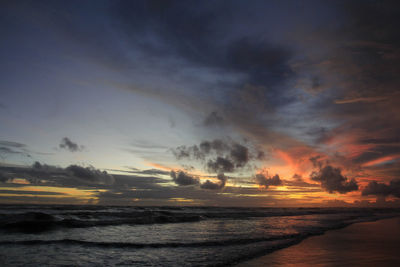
45, 220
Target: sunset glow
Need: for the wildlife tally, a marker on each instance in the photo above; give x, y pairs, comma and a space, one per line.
221, 104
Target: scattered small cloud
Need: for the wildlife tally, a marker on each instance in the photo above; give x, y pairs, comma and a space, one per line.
215, 186
266, 181
182, 178
219, 156
220, 164
67, 144
332, 180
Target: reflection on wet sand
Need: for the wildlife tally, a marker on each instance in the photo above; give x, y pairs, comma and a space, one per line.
362, 244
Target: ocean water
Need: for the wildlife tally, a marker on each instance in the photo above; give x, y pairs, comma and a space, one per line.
161, 236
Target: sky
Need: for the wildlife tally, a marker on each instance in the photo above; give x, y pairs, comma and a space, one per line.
216, 103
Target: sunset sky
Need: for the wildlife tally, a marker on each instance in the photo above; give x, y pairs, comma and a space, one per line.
227, 103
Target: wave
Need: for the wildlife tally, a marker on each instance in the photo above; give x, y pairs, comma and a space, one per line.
39, 221
50, 219
229, 242
244, 248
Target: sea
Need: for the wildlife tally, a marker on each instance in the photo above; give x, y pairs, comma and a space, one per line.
37, 235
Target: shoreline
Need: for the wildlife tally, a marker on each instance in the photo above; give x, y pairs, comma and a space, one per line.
327, 249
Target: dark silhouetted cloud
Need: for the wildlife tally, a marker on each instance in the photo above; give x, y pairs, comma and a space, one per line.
90, 174
381, 189
183, 178
332, 180
318, 77
67, 144
215, 186
240, 155
219, 156
265, 181
220, 165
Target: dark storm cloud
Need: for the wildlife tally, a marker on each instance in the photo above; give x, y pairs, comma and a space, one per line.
201, 35
332, 180
357, 69
265, 63
219, 156
182, 178
165, 38
195, 33
350, 60
265, 181
67, 144
366, 40
381, 189
215, 186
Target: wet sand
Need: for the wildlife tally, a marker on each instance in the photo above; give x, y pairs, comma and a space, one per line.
361, 244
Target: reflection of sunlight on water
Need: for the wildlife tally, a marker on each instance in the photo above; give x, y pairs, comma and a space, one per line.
364, 244
219, 236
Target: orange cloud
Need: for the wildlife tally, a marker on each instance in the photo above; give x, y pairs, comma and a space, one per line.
360, 99
381, 160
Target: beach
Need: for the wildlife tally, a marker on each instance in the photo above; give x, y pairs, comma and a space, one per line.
362, 244
196, 236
